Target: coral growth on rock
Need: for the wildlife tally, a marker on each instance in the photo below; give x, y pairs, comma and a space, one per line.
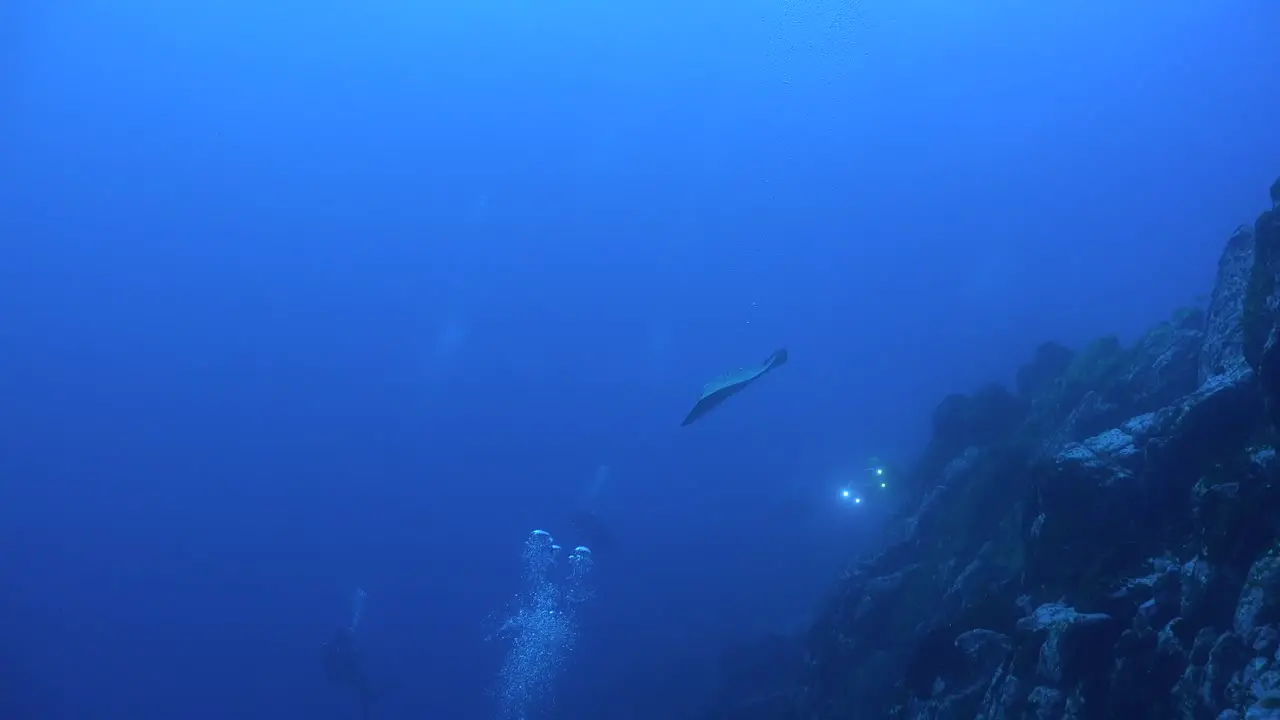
1101, 542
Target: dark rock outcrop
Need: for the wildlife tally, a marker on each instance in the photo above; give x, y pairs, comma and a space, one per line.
1049, 364
1102, 543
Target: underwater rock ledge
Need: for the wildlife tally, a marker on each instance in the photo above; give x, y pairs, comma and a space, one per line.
1101, 542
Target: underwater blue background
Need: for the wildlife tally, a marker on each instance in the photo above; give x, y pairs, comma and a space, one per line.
302, 297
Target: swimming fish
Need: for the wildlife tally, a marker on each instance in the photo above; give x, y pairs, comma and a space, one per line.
717, 391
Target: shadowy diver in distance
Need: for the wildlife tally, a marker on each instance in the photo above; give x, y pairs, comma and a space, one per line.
717, 391
344, 667
590, 529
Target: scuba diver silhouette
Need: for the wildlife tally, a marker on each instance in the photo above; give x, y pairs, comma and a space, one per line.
344, 665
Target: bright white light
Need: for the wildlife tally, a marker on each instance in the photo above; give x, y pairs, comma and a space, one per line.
883, 485
844, 493
879, 471
857, 500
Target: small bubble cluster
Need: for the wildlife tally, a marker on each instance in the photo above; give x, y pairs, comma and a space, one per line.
576, 589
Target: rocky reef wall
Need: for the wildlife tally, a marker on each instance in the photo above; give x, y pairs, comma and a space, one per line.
1102, 541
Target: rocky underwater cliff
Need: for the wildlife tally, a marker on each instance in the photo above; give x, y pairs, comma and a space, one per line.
1102, 541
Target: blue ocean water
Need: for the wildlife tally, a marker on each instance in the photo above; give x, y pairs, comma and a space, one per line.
303, 298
